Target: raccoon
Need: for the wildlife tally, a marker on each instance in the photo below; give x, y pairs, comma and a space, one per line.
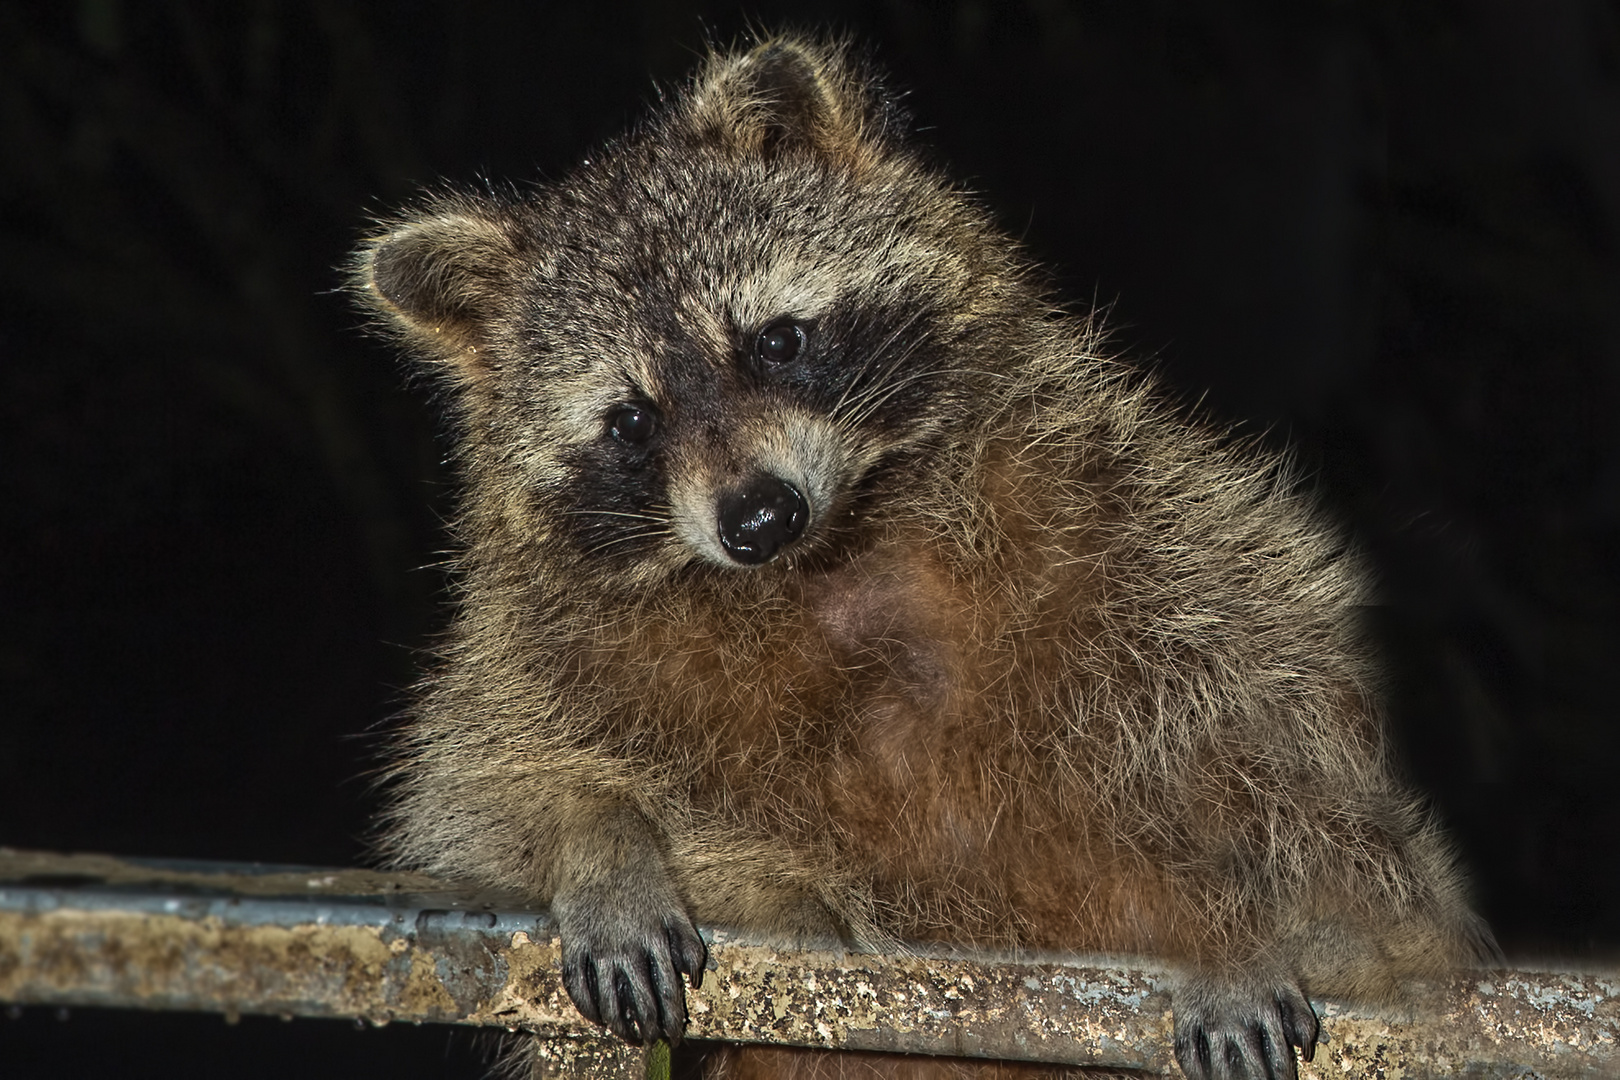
822, 576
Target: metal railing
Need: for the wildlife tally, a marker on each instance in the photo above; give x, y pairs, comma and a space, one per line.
295, 941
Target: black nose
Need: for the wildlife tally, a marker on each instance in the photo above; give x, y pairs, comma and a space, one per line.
761, 519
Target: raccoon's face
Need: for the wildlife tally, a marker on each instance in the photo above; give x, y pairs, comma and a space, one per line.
725, 358
733, 454
715, 342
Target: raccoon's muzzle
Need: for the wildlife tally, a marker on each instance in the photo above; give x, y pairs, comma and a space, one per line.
757, 521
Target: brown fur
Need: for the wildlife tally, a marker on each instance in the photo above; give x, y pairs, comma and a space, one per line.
1049, 668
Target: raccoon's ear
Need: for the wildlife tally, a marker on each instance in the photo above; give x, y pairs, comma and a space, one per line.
789, 94
437, 278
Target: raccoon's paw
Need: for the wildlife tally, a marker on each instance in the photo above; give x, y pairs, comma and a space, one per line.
1240, 1029
621, 961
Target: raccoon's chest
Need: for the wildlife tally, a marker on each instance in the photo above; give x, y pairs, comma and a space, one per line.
855, 672
866, 713
925, 660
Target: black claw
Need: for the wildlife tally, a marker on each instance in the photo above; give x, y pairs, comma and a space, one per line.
650, 1011
1299, 1023
633, 1001
613, 1014
580, 981
667, 998
635, 1019
1278, 1050
690, 954
1194, 1055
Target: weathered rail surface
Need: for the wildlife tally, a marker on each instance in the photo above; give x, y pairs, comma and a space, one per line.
294, 941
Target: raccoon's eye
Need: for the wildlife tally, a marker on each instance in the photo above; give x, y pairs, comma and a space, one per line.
632, 425
780, 342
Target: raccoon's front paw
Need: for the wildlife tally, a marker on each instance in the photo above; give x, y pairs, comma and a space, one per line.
1237, 1029
621, 959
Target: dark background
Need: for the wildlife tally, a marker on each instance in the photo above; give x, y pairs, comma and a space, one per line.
1384, 233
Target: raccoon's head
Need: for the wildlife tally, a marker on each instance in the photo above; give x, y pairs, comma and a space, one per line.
717, 341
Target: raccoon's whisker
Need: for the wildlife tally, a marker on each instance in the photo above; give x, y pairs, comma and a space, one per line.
626, 538
869, 403
661, 516
878, 385
873, 356
880, 352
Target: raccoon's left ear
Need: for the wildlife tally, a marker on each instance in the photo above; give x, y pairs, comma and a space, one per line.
438, 277
789, 94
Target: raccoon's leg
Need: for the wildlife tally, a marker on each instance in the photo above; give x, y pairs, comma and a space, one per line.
1343, 941
1241, 1026
625, 905
626, 933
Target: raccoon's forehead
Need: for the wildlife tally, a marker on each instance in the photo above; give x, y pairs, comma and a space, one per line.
728, 249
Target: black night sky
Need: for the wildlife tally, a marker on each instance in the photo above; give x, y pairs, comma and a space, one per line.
1385, 234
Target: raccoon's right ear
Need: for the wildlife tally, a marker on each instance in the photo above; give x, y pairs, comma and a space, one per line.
791, 93
437, 278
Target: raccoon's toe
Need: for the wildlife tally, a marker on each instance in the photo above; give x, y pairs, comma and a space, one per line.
1242, 1030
